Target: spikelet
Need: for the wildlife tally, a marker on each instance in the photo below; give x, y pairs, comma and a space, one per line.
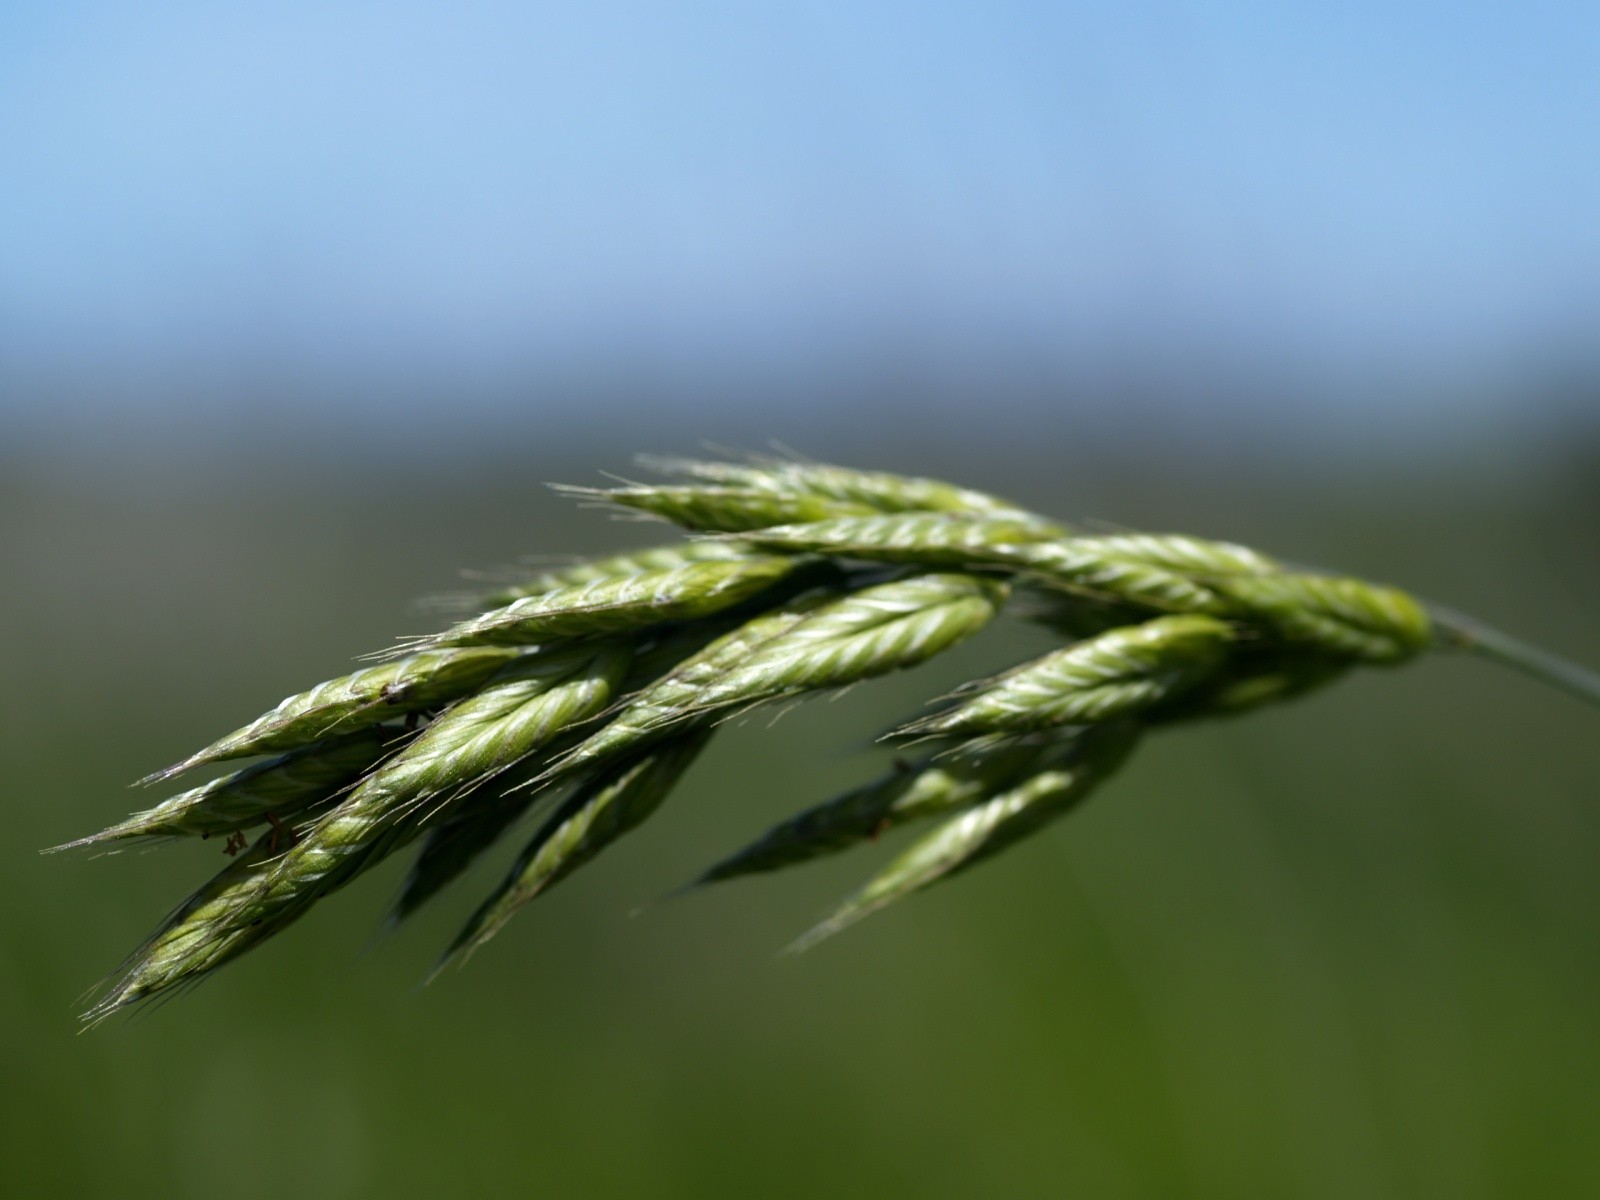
366, 697
1089, 571
1253, 678
1345, 617
184, 946
987, 827
1199, 558
513, 716
917, 539
596, 815
712, 509
679, 695
873, 490
615, 566
504, 724
619, 604
909, 792
1117, 673
868, 633
814, 644
453, 842
276, 789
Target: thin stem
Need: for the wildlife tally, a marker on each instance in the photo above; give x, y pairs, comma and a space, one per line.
1463, 633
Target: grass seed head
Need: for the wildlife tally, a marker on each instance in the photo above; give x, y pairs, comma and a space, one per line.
597, 683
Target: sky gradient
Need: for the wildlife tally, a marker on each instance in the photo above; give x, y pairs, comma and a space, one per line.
1389, 197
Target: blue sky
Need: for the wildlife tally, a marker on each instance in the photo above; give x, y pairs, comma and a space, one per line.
694, 190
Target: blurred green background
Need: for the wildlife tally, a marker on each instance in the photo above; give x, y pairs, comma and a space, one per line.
1349, 948
301, 302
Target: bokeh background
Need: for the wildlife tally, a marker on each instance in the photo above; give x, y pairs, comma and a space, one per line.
300, 304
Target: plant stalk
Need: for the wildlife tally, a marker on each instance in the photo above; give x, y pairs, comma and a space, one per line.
1463, 633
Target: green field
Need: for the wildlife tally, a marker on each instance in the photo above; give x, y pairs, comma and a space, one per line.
1346, 949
